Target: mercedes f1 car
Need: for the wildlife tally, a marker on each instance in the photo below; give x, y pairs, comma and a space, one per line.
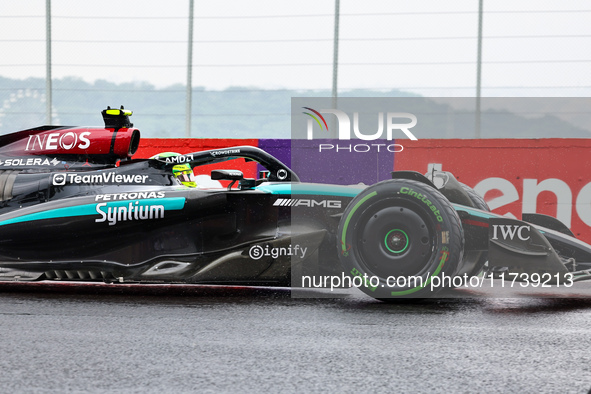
74, 206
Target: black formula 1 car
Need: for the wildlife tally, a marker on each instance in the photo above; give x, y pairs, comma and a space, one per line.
75, 206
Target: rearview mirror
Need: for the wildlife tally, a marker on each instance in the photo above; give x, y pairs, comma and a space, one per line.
227, 175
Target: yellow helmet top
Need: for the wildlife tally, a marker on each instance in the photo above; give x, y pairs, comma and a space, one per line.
184, 173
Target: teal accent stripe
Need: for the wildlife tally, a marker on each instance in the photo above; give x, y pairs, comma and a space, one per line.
473, 212
170, 204
315, 189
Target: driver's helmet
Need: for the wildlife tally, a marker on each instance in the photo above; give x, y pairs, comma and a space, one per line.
182, 172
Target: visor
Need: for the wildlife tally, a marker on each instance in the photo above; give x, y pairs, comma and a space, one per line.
185, 177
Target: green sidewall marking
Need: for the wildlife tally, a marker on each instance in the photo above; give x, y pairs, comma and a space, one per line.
364, 199
415, 289
386, 241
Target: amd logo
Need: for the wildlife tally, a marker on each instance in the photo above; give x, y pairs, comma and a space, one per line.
510, 231
301, 202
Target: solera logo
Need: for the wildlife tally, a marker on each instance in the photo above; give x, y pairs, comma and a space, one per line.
345, 124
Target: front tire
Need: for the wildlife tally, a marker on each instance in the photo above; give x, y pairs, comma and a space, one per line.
399, 238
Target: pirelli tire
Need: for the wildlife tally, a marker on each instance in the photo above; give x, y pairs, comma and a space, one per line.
398, 238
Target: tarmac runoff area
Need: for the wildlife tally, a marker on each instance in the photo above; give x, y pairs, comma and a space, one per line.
80, 337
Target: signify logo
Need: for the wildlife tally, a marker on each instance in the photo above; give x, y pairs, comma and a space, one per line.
390, 123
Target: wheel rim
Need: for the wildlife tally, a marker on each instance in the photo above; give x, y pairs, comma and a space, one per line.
396, 241
395, 238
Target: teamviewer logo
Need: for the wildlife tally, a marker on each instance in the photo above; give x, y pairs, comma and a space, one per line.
59, 179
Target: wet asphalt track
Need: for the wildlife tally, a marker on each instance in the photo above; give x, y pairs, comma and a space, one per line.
113, 338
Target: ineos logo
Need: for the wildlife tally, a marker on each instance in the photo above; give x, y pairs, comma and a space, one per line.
53, 141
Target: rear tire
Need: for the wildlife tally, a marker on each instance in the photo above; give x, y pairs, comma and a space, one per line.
400, 237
